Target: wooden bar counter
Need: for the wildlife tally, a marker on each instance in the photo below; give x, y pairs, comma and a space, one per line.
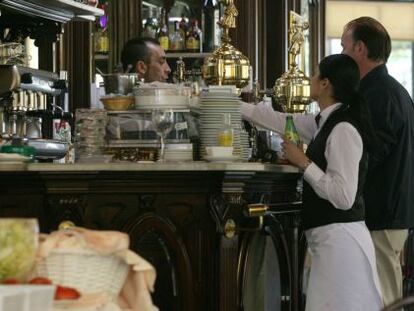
188, 219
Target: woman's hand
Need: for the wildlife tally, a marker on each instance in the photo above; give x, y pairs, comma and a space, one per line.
295, 155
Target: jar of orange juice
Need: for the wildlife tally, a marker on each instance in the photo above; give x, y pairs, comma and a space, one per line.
225, 136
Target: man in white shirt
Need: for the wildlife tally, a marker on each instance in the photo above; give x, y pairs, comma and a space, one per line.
147, 58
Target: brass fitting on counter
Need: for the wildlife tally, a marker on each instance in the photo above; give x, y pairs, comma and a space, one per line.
66, 224
256, 211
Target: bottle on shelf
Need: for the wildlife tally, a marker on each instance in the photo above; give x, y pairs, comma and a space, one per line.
225, 136
101, 40
151, 24
210, 17
179, 74
193, 41
183, 27
163, 37
176, 39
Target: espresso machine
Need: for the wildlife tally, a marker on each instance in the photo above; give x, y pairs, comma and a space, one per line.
30, 100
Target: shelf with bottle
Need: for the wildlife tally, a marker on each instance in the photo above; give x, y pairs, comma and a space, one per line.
178, 29
185, 41
101, 39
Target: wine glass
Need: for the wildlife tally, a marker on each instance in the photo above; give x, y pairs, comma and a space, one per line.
163, 122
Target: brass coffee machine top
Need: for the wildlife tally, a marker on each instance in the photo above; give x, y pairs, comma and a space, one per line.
292, 89
227, 65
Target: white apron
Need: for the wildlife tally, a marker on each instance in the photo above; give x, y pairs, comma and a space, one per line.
343, 274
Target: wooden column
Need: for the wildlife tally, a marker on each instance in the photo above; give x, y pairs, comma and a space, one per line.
124, 24
244, 36
76, 58
276, 39
317, 28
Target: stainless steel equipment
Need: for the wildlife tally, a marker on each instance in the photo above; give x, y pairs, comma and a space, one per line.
28, 102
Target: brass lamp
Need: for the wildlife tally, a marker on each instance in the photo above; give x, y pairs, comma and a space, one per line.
227, 65
292, 89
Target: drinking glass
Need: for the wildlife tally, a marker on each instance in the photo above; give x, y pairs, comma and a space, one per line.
163, 122
90, 131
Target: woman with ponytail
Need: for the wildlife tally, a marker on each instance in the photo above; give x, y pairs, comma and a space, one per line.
343, 273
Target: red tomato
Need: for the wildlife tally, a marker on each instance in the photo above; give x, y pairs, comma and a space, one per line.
40, 280
66, 293
11, 281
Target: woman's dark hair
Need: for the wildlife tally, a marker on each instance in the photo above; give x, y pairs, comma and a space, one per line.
135, 50
343, 74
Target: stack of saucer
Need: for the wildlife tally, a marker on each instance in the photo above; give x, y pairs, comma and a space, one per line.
220, 154
213, 106
178, 152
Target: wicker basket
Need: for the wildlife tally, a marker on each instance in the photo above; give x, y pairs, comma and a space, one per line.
87, 271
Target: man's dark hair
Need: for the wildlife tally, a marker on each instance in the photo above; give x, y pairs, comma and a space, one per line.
374, 36
135, 50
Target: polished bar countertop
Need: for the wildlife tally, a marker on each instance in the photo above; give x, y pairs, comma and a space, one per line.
168, 166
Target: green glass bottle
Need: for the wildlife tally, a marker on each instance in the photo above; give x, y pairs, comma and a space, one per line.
290, 130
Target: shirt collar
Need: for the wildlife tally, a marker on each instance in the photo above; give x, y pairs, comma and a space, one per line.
327, 112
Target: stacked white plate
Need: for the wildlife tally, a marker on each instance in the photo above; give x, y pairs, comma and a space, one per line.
162, 101
178, 152
161, 95
213, 106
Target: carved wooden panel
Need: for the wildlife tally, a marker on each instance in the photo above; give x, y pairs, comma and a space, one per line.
155, 238
256, 250
179, 221
65, 207
24, 206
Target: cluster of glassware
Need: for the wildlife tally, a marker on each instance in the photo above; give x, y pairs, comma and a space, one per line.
90, 129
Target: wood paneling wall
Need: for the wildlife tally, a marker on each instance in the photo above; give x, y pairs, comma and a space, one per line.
75, 55
244, 36
125, 23
276, 40
317, 28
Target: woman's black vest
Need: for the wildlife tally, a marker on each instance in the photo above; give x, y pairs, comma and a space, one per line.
317, 211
